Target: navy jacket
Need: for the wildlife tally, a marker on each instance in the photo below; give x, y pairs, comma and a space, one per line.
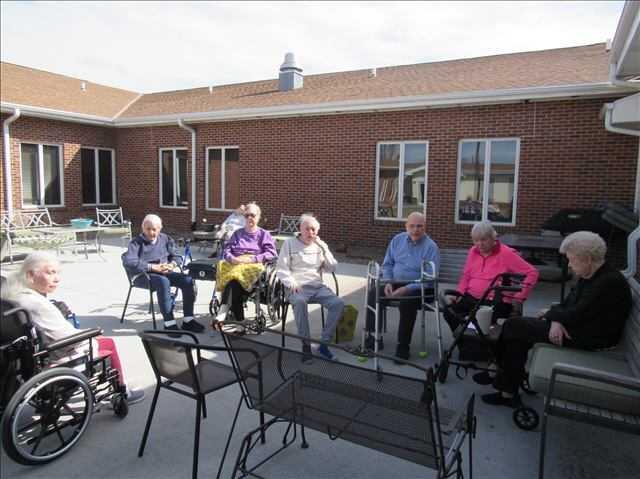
141, 253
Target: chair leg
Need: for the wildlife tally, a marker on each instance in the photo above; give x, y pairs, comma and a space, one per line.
543, 437
196, 438
153, 310
204, 407
226, 447
149, 419
125, 305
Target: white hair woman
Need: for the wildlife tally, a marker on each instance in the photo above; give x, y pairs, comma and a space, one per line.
244, 255
38, 277
592, 316
487, 259
301, 262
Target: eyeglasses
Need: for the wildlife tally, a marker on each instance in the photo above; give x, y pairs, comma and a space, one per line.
249, 215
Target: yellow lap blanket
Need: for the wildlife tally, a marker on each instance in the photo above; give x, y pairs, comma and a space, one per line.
246, 274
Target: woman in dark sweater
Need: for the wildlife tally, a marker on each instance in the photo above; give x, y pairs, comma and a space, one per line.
591, 317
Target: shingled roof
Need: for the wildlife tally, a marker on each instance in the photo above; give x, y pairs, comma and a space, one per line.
583, 65
29, 86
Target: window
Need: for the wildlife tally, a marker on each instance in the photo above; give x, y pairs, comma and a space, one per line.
98, 176
401, 179
173, 178
487, 180
42, 175
223, 178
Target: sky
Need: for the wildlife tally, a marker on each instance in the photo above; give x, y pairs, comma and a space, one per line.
161, 46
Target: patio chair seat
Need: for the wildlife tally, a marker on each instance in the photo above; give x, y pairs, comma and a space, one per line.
211, 376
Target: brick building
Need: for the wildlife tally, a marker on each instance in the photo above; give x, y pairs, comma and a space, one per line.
512, 138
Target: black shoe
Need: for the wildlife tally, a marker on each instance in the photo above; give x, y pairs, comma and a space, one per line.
401, 354
307, 357
497, 399
173, 327
193, 326
483, 378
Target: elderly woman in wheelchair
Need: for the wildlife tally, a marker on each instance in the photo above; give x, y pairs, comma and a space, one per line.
245, 258
52, 374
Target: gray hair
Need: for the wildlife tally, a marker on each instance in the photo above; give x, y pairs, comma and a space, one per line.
585, 244
152, 220
255, 206
32, 263
483, 229
417, 214
309, 218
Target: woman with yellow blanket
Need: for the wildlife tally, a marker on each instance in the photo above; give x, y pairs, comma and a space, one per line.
244, 256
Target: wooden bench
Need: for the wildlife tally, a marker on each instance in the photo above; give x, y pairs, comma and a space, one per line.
287, 228
394, 414
28, 228
451, 265
596, 387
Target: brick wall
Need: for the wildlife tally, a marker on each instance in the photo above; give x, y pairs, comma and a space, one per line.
71, 136
326, 164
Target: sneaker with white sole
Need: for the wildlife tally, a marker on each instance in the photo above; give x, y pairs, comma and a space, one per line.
193, 326
135, 396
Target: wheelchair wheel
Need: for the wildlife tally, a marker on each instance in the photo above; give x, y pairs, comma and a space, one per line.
275, 302
47, 416
120, 405
526, 418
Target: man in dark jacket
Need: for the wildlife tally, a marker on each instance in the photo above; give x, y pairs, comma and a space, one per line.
153, 252
591, 317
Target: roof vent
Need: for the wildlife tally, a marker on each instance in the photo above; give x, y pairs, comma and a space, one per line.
290, 77
608, 44
372, 73
83, 86
210, 90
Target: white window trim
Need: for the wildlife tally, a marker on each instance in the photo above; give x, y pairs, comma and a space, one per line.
176, 183
223, 182
400, 195
41, 176
485, 190
96, 149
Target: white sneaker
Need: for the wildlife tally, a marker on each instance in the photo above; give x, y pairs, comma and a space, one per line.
135, 396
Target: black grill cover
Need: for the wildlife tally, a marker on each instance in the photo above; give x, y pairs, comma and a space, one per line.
568, 221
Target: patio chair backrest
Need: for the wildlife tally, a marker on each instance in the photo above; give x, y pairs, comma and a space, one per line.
289, 225
33, 218
110, 217
171, 359
10, 222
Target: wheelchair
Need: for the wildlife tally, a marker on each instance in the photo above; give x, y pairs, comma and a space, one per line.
45, 405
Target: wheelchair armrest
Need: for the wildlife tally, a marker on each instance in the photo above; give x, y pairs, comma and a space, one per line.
73, 339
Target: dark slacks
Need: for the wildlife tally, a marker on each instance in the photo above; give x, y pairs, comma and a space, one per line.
234, 295
455, 312
162, 283
517, 337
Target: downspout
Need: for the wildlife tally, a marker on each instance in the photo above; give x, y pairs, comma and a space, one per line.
193, 169
7, 160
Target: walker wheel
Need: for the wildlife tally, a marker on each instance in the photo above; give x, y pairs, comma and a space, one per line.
362, 359
120, 405
526, 418
423, 354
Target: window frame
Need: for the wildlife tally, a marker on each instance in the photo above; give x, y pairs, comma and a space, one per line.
96, 178
175, 179
485, 186
400, 194
41, 176
223, 185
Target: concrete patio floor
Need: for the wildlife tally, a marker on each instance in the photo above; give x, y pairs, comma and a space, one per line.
96, 290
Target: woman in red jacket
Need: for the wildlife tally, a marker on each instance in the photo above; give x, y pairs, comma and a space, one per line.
488, 258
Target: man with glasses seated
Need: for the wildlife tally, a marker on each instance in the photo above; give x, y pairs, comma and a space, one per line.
244, 256
153, 252
403, 263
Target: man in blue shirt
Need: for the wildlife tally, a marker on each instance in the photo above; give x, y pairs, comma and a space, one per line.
152, 252
403, 263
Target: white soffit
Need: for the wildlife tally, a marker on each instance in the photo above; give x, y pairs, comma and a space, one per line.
626, 112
